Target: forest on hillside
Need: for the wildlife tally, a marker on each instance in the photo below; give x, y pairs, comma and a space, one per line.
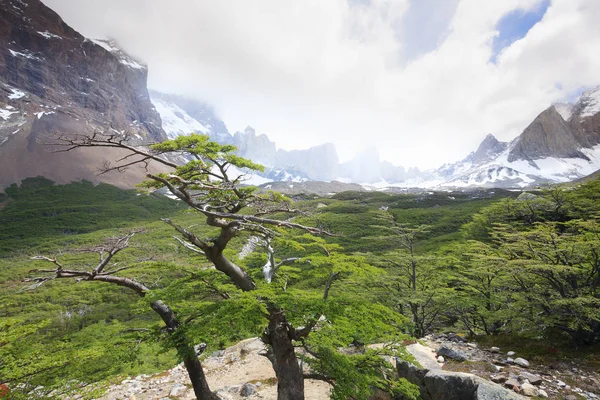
336, 272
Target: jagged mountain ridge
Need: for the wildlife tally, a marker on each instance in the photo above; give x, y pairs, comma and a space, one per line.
560, 145
53, 79
550, 149
183, 115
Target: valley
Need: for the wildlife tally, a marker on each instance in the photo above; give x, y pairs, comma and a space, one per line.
147, 251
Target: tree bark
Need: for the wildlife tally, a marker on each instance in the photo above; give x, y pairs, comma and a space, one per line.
239, 277
187, 352
290, 379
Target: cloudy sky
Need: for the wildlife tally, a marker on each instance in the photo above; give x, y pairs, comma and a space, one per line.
422, 80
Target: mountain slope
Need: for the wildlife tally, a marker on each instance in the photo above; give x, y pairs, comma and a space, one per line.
52, 79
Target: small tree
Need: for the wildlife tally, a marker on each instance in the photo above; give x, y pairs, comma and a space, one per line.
106, 272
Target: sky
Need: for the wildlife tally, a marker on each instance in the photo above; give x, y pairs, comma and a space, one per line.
423, 80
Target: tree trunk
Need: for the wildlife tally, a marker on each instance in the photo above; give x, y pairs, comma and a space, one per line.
187, 352
239, 277
290, 378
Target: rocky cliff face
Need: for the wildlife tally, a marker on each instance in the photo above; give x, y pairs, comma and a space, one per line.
549, 135
54, 79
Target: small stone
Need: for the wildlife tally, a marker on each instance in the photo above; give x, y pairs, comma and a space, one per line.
499, 378
532, 378
512, 384
567, 387
560, 384
441, 359
571, 397
472, 345
542, 393
510, 353
178, 390
495, 349
247, 390
528, 389
509, 360
522, 362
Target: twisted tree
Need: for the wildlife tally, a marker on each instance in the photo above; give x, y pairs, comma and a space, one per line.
210, 182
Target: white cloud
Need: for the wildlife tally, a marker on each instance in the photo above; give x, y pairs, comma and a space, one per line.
312, 71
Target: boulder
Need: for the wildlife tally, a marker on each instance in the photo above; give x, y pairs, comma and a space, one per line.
447, 352
522, 362
446, 385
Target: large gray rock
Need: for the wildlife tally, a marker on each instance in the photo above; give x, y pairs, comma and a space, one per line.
447, 352
446, 385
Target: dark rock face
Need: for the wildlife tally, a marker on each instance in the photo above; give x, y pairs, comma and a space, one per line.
42, 55
52, 79
549, 135
451, 354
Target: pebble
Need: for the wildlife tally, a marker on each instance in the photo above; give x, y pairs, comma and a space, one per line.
441, 359
510, 353
177, 390
495, 349
542, 393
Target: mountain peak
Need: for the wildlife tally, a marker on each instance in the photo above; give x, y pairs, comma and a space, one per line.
489, 148
249, 131
548, 135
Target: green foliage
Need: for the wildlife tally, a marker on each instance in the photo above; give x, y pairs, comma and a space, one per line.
40, 212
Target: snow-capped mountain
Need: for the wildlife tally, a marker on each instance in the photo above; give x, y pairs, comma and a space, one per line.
181, 115
560, 145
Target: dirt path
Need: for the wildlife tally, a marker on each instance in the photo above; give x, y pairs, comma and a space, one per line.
227, 372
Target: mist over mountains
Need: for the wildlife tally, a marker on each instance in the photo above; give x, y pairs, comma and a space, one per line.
558, 146
54, 80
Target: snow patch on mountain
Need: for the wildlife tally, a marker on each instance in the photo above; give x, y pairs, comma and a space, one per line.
16, 94
591, 102
175, 121
112, 46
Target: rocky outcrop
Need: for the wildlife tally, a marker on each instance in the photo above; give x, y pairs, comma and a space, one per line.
54, 79
549, 135
444, 385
